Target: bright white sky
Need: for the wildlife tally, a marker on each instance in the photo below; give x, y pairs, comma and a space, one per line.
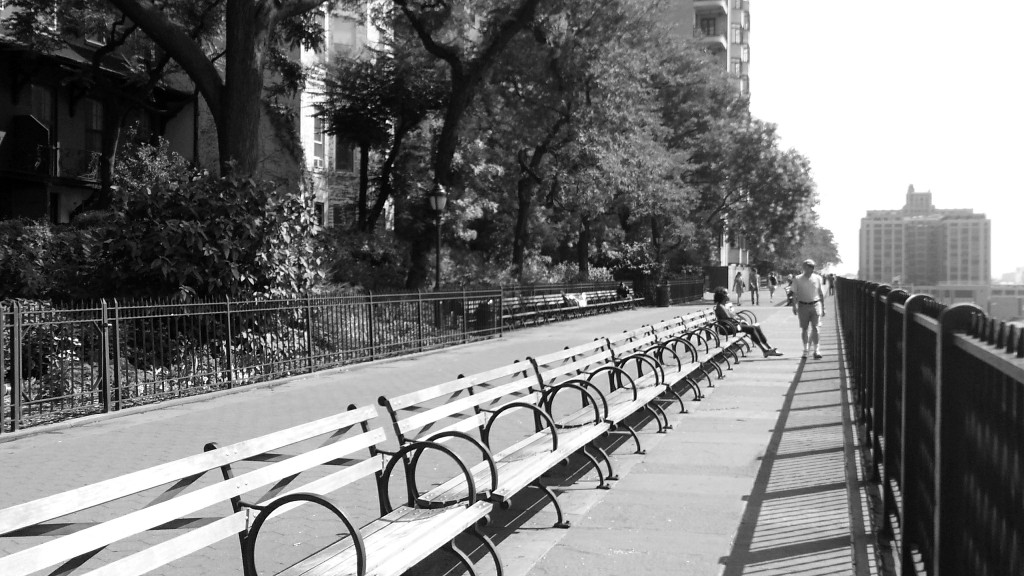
883, 95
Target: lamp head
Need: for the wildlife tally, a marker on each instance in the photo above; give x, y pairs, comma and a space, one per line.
438, 199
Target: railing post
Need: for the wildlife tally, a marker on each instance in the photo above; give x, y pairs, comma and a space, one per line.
17, 347
911, 434
106, 392
950, 434
419, 318
116, 334
465, 315
309, 333
228, 344
370, 325
3, 363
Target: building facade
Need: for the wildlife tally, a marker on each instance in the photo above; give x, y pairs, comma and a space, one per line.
722, 27
923, 245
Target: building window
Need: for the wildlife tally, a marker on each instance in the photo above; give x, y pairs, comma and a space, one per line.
318, 142
737, 34
94, 125
708, 27
737, 4
736, 67
745, 53
42, 105
318, 209
744, 84
344, 160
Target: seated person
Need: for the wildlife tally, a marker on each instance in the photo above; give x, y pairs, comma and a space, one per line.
622, 291
730, 322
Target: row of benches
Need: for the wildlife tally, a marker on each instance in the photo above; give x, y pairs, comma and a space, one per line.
523, 419
519, 311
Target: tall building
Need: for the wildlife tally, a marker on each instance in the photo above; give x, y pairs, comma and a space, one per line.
722, 27
921, 244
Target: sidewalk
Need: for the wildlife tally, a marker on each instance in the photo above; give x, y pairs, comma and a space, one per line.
755, 479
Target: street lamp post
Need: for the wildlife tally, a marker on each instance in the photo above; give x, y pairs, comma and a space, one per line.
438, 201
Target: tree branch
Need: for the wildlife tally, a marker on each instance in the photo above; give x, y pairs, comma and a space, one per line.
444, 52
177, 42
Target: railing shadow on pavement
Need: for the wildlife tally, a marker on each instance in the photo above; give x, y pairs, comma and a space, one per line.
801, 517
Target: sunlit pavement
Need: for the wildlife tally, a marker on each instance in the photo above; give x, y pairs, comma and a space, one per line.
759, 478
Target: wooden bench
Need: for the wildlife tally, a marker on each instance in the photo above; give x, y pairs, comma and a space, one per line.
530, 442
168, 496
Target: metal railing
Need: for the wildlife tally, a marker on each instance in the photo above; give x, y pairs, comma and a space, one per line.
59, 363
940, 395
64, 362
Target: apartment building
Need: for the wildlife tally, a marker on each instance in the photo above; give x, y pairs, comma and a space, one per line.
924, 245
56, 117
722, 27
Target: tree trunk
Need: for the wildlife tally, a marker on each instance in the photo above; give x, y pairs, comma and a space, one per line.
364, 186
238, 131
526, 188
387, 168
583, 249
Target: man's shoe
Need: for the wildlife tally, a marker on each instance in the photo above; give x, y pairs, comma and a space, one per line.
817, 355
772, 352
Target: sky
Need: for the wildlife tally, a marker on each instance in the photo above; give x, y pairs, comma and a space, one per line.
883, 95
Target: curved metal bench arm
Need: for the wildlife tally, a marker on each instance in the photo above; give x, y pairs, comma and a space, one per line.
689, 346
484, 450
548, 397
414, 500
249, 542
659, 352
659, 375
619, 373
747, 315
713, 333
486, 434
699, 334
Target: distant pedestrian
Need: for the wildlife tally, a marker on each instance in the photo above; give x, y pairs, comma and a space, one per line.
809, 306
738, 286
773, 282
755, 290
831, 284
730, 323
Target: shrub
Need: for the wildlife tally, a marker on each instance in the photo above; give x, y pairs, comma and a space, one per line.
40, 260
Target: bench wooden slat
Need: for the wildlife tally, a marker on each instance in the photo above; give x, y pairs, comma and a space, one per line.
55, 506
67, 547
421, 419
419, 396
174, 548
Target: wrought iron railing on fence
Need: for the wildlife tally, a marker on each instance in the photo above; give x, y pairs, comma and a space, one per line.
940, 395
63, 362
57, 363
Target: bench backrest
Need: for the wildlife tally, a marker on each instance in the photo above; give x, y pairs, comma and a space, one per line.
72, 545
461, 404
570, 362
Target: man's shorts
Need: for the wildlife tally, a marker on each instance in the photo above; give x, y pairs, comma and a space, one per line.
809, 314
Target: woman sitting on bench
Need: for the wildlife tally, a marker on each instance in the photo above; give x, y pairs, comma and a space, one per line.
729, 323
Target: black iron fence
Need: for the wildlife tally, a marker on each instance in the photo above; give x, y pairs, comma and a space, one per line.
940, 393
57, 363
63, 362
677, 291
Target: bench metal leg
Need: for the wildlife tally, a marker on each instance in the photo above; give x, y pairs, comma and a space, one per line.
451, 547
657, 419
499, 568
562, 522
658, 409
682, 407
629, 430
695, 388
608, 460
600, 473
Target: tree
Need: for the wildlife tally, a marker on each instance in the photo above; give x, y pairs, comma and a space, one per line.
254, 34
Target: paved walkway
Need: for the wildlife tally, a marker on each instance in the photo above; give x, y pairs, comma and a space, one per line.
759, 478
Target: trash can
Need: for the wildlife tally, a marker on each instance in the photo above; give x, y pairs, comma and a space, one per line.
661, 296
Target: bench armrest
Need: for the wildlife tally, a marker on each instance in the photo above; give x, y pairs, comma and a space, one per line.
265, 511
414, 497
486, 434
548, 397
644, 358
619, 373
484, 450
686, 343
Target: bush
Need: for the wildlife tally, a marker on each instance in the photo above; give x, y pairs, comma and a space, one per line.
375, 261
40, 260
213, 236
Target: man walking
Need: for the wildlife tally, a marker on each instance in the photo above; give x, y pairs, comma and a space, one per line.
809, 306
755, 289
